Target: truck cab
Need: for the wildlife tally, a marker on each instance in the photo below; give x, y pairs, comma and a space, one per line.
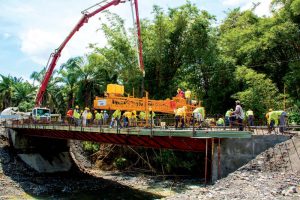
41, 114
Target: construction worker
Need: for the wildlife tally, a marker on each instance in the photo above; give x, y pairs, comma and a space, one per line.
98, 117
76, 116
227, 117
180, 93
116, 119
151, 116
105, 117
70, 116
282, 121
199, 115
37, 118
277, 118
270, 122
84, 116
250, 116
180, 115
239, 114
126, 116
133, 119
142, 117
220, 122
187, 96
89, 117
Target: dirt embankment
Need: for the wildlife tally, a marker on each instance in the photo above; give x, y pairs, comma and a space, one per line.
18, 181
274, 174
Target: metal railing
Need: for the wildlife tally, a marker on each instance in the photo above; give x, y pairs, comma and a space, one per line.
158, 122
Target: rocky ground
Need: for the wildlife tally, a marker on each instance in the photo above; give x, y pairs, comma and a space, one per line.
18, 181
274, 174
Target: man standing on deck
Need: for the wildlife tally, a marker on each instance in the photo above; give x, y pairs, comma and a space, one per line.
250, 116
70, 116
227, 117
239, 113
76, 116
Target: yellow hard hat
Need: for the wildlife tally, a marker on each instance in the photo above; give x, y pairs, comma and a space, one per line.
77, 107
95, 111
270, 110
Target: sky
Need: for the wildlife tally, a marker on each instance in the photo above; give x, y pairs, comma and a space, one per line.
31, 30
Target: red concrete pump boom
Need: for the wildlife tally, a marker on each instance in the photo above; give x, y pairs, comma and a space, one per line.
84, 19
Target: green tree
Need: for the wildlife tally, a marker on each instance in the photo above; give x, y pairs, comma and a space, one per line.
269, 45
23, 96
259, 93
7, 89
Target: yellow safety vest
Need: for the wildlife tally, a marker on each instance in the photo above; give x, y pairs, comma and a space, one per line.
180, 112
220, 121
249, 112
142, 115
99, 116
76, 114
89, 115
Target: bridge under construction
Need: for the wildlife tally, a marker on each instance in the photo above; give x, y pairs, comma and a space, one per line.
223, 148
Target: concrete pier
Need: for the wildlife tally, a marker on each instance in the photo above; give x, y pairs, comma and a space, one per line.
235, 152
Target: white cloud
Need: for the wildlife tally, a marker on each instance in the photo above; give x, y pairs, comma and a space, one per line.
36, 43
262, 9
234, 3
41, 37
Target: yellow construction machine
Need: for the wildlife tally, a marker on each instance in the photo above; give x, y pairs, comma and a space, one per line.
115, 100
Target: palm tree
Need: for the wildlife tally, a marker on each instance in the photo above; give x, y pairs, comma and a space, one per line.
6, 90
52, 93
69, 77
24, 92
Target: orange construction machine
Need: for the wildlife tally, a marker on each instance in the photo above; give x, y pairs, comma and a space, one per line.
115, 100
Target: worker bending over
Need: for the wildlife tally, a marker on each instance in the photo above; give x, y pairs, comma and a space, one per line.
199, 115
180, 115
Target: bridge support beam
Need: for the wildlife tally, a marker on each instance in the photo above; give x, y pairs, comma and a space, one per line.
45, 155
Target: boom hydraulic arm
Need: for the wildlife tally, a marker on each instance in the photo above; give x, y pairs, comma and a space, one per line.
84, 19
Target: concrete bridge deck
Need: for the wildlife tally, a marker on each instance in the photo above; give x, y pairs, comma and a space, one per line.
176, 139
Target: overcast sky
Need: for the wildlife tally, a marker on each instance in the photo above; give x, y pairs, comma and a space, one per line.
30, 30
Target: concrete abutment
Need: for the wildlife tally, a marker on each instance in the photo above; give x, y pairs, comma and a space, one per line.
235, 153
45, 155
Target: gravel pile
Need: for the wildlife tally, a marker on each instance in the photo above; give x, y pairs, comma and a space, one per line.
274, 174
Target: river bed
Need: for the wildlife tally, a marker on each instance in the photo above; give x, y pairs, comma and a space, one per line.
18, 181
